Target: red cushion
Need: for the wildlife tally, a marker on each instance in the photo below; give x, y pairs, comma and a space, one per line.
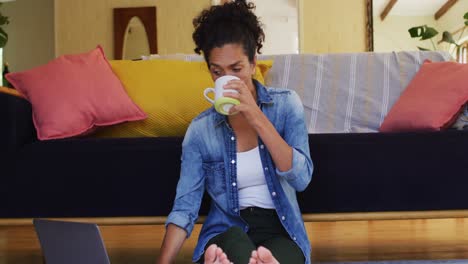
74, 93
432, 99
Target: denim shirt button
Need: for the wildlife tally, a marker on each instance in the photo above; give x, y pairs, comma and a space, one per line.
262, 146
233, 138
294, 238
233, 161
273, 193
266, 168
235, 210
234, 184
283, 218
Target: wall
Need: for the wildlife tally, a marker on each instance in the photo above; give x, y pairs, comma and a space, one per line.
281, 25
81, 25
38, 33
328, 26
30, 32
452, 21
35, 39
392, 33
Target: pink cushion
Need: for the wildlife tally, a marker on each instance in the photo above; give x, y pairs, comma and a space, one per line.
74, 93
432, 99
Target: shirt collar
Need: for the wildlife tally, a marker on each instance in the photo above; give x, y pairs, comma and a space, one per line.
262, 98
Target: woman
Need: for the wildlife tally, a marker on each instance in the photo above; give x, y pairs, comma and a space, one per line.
251, 162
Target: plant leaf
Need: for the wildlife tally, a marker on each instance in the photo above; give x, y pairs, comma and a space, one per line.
429, 33
424, 32
3, 42
416, 32
3, 20
3, 38
447, 37
423, 49
466, 15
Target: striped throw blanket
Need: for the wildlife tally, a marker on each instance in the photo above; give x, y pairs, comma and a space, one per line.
347, 92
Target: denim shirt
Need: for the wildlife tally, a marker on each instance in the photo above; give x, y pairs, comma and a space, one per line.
209, 163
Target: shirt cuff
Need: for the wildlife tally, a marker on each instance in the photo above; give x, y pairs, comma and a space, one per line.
291, 174
181, 220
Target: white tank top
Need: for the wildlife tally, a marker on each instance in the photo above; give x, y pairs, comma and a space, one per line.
251, 183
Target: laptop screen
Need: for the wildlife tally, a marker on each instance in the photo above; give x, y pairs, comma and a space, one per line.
70, 242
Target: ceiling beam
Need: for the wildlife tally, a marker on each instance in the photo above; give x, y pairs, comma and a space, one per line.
444, 8
387, 9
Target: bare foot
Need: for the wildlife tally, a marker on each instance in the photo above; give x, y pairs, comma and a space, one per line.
215, 255
262, 256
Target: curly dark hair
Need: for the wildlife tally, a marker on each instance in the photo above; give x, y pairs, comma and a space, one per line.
231, 23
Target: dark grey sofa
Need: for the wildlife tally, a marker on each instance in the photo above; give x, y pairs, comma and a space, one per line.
86, 177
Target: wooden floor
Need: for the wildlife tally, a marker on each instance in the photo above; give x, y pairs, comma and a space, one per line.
331, 241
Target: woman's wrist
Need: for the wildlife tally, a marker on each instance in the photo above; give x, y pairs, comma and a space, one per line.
257, 119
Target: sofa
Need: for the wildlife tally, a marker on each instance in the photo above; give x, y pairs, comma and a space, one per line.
357, 168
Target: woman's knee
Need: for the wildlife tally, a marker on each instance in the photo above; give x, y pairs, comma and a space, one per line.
285, 250
235, 243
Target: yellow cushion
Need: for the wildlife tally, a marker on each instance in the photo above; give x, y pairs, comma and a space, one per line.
11, 91
170, 92
262, 69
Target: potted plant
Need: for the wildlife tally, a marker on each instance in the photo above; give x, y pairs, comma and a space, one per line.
3, 41
3, 35
425, 32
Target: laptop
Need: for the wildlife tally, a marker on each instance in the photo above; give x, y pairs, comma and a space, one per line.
70, 242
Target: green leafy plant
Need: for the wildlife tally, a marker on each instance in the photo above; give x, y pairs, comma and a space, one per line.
3, 35
425, 32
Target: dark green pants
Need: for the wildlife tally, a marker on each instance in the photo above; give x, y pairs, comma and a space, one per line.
265, 229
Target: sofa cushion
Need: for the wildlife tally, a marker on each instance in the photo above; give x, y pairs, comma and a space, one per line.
169, 91
11, 91
17, 128
347, 92
432, 100
264, 62
73, 94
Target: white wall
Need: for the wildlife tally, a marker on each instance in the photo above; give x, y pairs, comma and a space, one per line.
453, 21
281, 25
392, 33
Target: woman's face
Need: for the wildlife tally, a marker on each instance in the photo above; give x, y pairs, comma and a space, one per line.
230, 59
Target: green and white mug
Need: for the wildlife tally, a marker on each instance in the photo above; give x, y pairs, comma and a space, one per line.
222, 103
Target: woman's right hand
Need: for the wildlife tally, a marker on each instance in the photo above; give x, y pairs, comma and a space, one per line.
172, 243
248, 106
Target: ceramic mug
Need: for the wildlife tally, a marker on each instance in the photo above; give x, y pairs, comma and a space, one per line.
222, 104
